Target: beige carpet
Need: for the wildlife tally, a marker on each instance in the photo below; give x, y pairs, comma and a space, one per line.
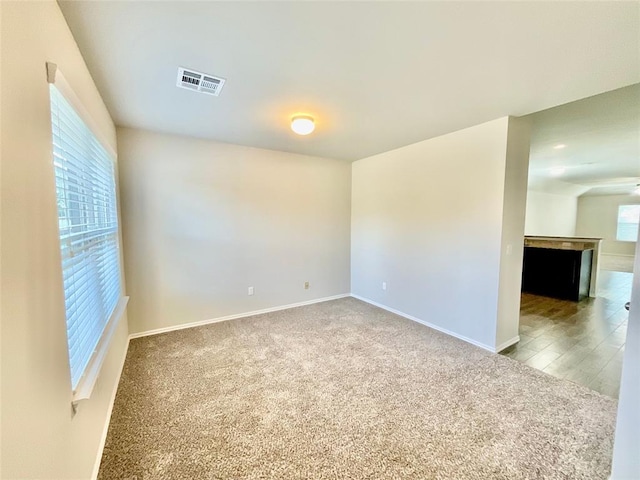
343, 390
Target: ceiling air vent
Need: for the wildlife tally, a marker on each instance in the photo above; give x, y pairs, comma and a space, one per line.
199, 82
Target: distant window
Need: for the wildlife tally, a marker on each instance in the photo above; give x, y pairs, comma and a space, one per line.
628, 219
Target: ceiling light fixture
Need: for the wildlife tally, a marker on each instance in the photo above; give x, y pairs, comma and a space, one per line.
557, 171
302, 124
560, 146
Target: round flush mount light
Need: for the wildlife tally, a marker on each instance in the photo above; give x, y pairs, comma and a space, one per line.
302, 124
560, 146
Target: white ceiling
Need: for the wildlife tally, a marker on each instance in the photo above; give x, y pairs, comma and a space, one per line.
376, 75
601, 138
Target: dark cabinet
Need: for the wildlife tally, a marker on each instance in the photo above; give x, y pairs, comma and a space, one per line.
558, 273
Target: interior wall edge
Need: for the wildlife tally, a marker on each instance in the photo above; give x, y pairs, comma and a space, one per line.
112, 400
507, 344
626, 462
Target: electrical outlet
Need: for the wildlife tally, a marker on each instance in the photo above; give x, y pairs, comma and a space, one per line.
250, 292
384, 285
306, 285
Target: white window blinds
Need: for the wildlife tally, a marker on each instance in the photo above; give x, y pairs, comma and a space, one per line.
87, 214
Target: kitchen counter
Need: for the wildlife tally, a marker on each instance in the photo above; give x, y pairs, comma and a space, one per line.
560, 244
571, 272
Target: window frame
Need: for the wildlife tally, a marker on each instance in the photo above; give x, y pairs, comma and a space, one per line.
91, 371
635, 237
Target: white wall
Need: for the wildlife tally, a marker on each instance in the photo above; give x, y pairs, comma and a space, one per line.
40, 437
428, 220
598, 217
549, 214
513, 219
626, 458
205, 220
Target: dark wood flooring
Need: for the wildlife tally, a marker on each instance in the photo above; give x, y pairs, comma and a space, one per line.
582, 342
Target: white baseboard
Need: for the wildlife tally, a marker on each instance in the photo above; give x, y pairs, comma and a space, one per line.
616, 262
508, 343
234, 317
427, 324
105, 429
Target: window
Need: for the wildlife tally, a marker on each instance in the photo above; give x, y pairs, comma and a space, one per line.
88, 221
628, 219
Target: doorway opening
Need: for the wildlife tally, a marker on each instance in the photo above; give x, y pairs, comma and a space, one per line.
581, 226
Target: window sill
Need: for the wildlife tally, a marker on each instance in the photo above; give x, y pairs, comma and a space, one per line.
88, 381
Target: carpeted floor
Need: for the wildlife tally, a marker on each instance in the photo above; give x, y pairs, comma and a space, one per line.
344, 390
